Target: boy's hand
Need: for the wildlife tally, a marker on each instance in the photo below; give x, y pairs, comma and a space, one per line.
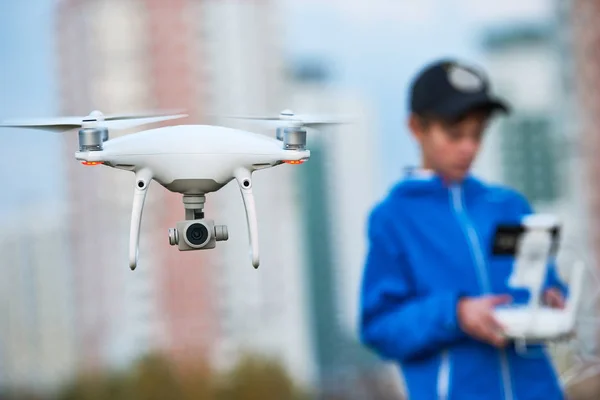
554, 298
475, 316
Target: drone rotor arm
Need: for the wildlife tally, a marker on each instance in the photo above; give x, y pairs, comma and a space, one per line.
142, 182
244, 179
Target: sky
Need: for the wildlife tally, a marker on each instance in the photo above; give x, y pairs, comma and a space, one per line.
30, 163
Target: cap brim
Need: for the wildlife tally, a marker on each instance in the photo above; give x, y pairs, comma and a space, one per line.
458, 107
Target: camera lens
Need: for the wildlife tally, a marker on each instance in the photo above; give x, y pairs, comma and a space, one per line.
196, 234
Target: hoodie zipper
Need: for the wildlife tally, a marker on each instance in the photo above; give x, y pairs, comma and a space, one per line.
459, 209
443, 383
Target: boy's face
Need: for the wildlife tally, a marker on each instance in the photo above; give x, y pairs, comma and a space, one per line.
450, 147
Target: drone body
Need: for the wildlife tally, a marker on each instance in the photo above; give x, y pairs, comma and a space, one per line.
192, 160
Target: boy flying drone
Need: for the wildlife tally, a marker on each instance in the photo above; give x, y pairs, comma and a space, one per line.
429, 287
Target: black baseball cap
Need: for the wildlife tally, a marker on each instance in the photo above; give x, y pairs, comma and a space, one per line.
448, 89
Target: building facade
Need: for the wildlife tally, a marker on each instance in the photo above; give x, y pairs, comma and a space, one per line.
36, 308
141, 55
210, 58
262, 311
581, 80
339, 186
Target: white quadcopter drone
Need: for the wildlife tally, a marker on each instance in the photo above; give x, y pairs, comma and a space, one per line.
189, 159
534, 242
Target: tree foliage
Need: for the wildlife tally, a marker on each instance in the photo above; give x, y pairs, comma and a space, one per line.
155, 378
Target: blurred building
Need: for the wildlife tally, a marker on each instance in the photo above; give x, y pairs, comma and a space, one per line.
126, 56
531, 149
36, 306
540, 150
579, 40
210, 58
262, 311
37, 351
338, 186
524, 65
580, 34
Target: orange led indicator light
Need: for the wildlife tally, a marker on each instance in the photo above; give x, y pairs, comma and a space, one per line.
91, 162
295, 162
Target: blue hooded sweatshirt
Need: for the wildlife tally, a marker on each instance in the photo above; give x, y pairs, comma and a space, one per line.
429, 245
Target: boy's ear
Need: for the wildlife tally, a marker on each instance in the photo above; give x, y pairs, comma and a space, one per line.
416, 126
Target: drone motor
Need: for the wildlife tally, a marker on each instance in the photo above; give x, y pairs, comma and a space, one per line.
91, 139
292, 138
292, 130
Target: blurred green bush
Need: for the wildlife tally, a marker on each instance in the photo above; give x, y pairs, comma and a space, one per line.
155, 378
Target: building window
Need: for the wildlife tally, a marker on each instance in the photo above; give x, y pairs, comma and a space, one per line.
529, 157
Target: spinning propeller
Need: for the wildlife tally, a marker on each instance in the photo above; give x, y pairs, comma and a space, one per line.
289, 119
94, 127
290, 126
95, 119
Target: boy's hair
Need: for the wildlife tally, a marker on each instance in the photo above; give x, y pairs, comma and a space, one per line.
427, 119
